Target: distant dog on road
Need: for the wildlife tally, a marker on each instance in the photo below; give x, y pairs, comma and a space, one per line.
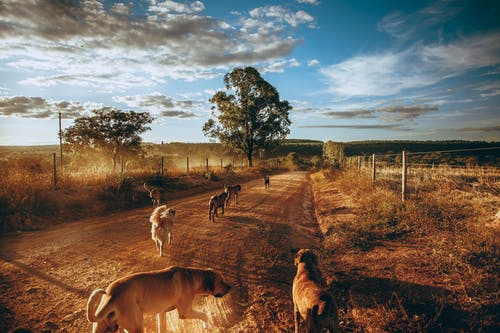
311, 301
266, 182
154, 194
126, 300
232, 190
216, 202
162, 223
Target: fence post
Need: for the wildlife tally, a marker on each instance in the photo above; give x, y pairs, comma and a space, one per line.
60, 140
122, 168
187, 164
403, 177
221, 168
359, 163
373, 169
206, 163
55, 172
162, 166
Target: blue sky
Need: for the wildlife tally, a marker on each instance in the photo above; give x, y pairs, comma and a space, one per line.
352, 70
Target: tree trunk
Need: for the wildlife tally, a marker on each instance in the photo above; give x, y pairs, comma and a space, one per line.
249, 157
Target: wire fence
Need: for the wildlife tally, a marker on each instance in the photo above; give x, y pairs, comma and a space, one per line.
398, 172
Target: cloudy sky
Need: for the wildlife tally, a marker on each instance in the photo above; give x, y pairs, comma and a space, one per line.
352, 70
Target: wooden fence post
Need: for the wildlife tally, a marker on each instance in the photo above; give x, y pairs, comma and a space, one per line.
373, 169
122, 168
187, 164
55, 172
403, 177
359, 163
206, 163
162, 166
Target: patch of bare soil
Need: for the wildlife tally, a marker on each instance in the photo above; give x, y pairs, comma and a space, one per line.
46, 276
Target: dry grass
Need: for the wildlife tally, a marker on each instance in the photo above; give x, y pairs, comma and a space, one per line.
430, 264
30, 200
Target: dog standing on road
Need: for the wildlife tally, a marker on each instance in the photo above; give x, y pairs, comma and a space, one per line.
154, 194
162, 224
216, 202
311, 301
124, 302
266, 182
232, 190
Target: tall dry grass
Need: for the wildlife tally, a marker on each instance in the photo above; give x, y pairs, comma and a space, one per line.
453, 218
90, 186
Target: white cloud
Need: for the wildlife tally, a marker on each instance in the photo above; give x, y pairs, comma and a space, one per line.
278, 14
404, 25
309, 2
169, 6
392, 72
109, 49
312, 62
162, 105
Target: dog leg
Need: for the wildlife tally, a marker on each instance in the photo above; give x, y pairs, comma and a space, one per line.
162, 322
296, 317
186, 311
161, 249
170, 238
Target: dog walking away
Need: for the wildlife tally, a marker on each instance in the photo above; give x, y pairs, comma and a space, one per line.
126, 300
266, 182
311, 301
162, 224
216, 202
232, 190
154, 194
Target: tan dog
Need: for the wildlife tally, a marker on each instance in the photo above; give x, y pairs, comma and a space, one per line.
311, 301
162, 224
216, 202
124, 302
154, 194
232, 190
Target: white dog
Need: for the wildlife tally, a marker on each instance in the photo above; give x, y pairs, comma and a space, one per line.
162, 223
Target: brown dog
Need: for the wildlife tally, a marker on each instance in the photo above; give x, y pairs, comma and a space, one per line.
216, 202
311, 301
125, 300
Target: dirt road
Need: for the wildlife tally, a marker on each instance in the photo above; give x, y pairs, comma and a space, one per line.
47, 276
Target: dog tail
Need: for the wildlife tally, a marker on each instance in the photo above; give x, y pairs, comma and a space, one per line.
155, 217
92, 304
147, 188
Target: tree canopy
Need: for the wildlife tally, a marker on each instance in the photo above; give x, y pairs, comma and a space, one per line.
109, 130
250, 115
333, 152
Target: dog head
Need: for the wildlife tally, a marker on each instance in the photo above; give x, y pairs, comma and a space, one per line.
223, 195
214, 284
306, 256
105, 320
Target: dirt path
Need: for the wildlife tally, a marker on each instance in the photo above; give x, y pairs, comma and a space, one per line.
47, 276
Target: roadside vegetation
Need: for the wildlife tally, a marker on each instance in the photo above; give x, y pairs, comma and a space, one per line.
430, 264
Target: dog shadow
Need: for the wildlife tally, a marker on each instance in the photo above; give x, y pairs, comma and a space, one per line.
10, 258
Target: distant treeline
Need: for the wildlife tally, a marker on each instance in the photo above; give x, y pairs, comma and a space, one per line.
306, 149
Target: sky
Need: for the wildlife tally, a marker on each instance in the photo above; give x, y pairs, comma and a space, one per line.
352, 69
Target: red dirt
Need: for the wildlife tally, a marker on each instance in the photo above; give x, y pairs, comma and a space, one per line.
47, 276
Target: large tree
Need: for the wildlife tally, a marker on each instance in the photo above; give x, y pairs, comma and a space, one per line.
110, 130
250, 116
